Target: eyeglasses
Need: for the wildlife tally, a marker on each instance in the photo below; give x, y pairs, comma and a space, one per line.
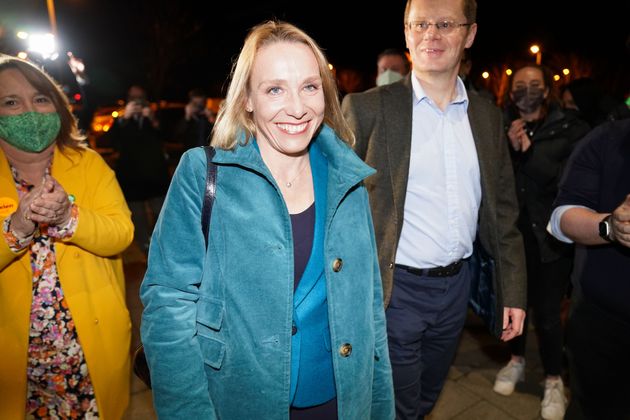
445, 27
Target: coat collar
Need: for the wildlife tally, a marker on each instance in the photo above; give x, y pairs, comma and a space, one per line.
345, 169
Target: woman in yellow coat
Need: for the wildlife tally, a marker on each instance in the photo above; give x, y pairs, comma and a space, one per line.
64, 326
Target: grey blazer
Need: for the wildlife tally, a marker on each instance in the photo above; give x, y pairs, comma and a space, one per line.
381, 120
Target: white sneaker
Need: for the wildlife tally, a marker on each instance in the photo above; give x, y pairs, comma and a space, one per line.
507, 377
554, 404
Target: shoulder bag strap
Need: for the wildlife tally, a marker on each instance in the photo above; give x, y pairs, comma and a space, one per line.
140, 366
210, 193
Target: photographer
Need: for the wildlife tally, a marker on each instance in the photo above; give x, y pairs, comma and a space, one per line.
194, 128
138, 109
141, 166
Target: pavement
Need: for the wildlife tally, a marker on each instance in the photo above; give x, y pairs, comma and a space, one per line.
467, 394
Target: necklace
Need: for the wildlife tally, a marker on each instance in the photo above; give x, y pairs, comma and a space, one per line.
289, 184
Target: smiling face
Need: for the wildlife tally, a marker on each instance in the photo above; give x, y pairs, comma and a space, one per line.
438, 50
286, 97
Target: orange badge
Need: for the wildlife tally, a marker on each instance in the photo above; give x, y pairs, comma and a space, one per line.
7, 206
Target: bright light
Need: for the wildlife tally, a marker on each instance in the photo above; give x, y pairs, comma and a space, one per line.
44, 45
22, 55
330, 66
556, 77
485, 75
566, 72
115, 114
508, 72
22, 35
535, 49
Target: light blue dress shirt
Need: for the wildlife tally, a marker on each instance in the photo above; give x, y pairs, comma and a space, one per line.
443, 190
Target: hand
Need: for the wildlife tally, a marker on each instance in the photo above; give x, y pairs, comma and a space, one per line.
147, 112
517, 134
78, 68
52, 207
190, 111
620, 223
132, 109
22, 222
513, 319
207, 113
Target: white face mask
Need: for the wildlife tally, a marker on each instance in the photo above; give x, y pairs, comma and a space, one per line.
387, 77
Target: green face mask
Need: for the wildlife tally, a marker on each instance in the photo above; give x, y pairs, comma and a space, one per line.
30, 131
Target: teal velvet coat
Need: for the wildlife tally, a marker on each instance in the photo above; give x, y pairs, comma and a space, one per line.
217, 325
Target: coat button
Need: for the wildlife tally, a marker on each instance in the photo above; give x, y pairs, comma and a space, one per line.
345, 350
391, 265
337, 264
95, 320
293, 330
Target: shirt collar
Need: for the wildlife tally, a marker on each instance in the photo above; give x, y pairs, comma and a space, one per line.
419, 94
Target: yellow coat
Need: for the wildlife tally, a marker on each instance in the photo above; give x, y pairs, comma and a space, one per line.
90, 271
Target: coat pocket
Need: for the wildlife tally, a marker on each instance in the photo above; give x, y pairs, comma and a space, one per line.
209, 321
212, 350
210, 313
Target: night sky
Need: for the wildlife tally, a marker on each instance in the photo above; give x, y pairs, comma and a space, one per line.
173, 45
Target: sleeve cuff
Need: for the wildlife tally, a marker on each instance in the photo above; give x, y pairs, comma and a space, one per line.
68, 230
553, 227
15, 242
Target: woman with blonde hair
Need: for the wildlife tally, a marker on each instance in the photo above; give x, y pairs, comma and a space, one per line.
282, 315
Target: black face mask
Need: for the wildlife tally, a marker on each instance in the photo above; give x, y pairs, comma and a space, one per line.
528, 99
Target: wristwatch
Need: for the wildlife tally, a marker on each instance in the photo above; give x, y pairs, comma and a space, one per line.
605, 228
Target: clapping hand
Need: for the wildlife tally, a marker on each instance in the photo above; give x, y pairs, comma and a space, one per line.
517, 134
51, 206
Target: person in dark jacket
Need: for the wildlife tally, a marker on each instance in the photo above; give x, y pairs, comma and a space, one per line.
141, 166
194, 129
542, 137
592, 209
444, 177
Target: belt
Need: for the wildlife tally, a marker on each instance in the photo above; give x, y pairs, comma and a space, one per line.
447, 271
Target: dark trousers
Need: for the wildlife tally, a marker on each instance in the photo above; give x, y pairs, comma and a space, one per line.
598, 347
326, 411
547, 284
425, 318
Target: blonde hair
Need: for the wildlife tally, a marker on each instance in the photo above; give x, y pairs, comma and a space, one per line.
69, 134
234, 124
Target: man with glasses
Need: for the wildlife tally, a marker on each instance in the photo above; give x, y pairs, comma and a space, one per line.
443, 179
